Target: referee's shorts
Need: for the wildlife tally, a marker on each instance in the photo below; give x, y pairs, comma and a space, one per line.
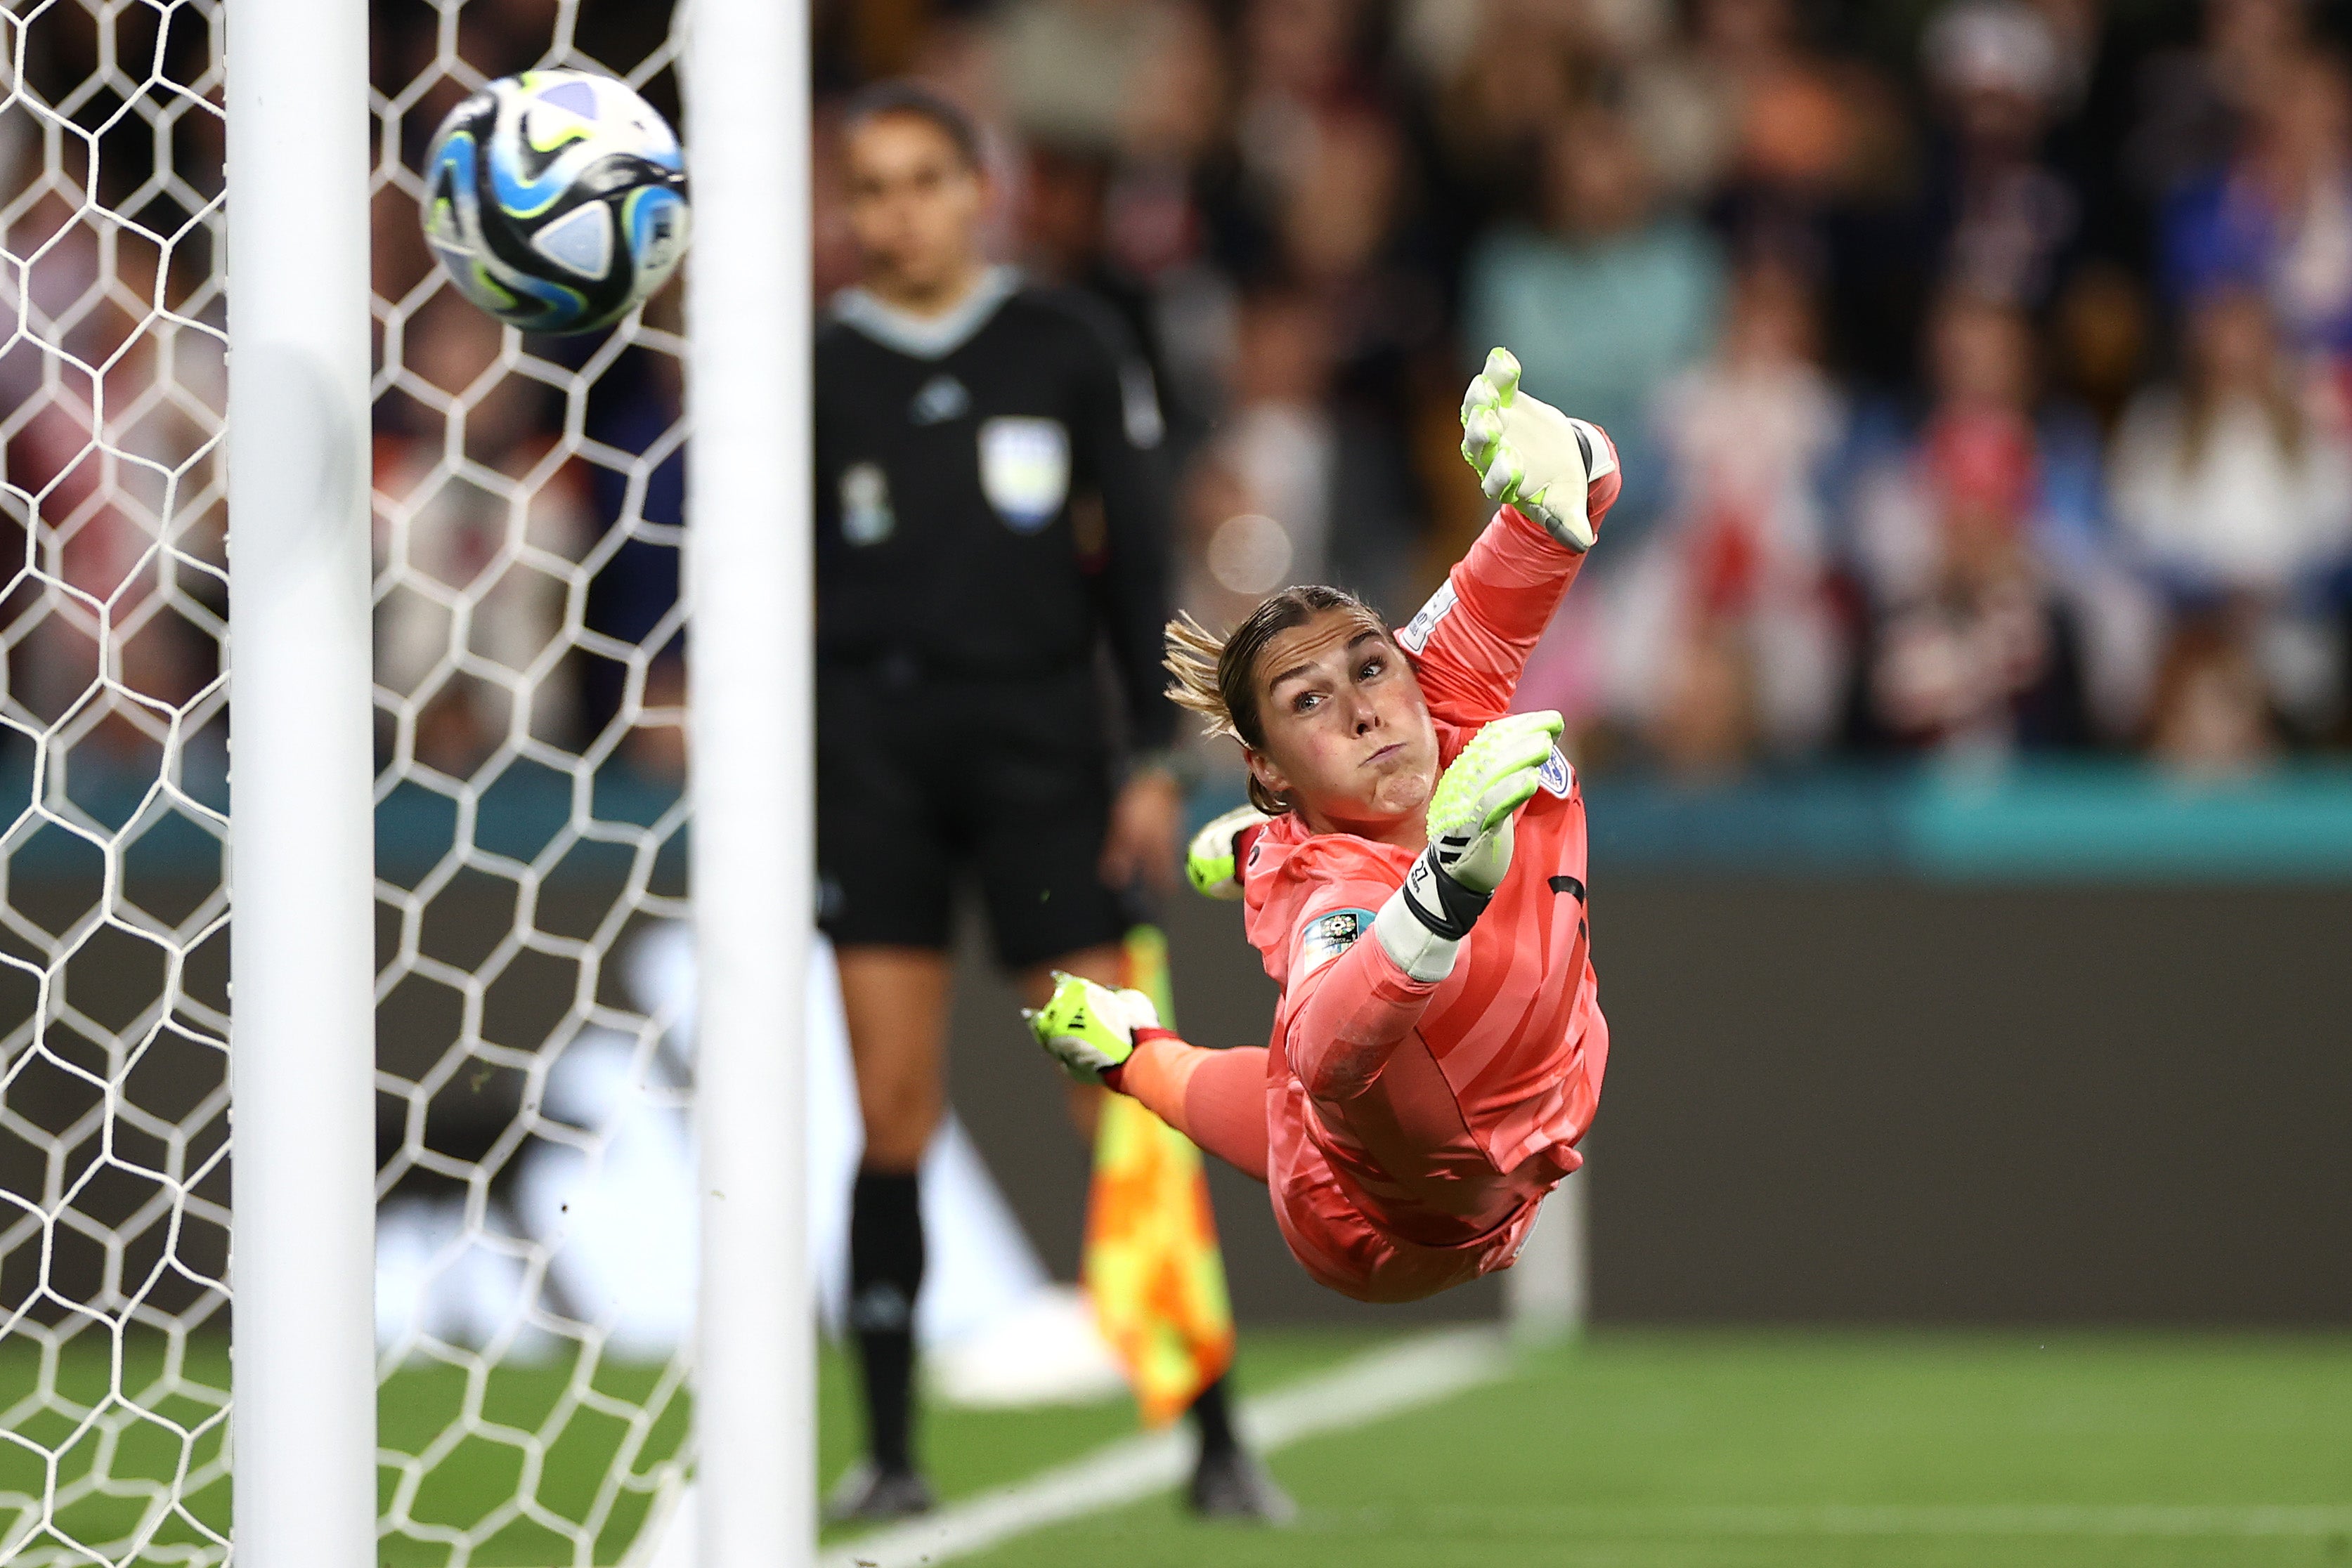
923, 777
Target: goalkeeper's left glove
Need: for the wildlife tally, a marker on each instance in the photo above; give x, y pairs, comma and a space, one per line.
1531, 456
1422, 924
1088, 1028
1213, 864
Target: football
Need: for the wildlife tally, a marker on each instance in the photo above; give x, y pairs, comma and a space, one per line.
556, 199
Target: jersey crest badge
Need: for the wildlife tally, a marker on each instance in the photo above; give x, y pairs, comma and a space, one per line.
866, 514
1328, 935
1024, 470
1415, 636
1558, 776
943, 398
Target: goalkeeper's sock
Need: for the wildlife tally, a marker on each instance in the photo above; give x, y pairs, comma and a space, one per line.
885, 1272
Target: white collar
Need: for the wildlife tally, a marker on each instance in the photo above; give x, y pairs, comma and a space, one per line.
927, 337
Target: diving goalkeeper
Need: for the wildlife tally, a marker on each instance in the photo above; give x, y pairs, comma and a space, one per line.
1412, 868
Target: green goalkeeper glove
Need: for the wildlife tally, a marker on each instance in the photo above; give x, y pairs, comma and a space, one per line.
1088, 1028
1212, 862
1470, 833
1471, 814
1530, 455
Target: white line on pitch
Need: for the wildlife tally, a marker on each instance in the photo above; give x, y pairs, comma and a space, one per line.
1415, 1371
1420, 1371
2114, 1520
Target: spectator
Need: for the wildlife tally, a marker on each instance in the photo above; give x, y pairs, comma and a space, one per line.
1065, 239
1075, 71
2004, 220
1743, 102
1259, 505
1728, 640
1313, 214
2211, 708
1606, 303
1298, 64
2277, 220
633, 600
100, 538
1970, 650
1504, 72
2195, 102
2102, 334
1793, 152
1297, 485
476, 600
2241, 503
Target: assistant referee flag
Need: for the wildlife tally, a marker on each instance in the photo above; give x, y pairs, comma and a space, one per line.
1152, 1267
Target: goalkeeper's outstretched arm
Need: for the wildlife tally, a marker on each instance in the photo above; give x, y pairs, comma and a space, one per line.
1216, 1098
1557, 477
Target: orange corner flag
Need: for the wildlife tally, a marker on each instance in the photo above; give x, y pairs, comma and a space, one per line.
1151, 1266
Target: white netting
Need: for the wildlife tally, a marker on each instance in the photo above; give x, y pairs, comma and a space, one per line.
534, 1246
535, 1265
113, 1230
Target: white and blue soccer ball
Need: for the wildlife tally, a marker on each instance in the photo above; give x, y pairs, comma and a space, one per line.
556, 200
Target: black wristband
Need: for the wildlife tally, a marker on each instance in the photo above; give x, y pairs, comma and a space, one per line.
1440, 902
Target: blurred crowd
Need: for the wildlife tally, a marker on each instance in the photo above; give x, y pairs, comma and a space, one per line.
1979, 367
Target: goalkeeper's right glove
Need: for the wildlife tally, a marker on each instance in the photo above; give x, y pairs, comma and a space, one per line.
1213, 864
1470, 818
1530, 455
1088, 1028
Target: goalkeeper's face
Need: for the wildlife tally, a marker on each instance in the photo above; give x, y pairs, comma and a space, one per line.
1347, 735
915, 206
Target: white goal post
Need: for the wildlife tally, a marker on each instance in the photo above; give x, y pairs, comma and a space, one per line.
750, 580
302, 1020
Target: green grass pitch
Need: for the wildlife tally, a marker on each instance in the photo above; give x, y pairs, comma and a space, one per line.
1634, 1449
1656, 1449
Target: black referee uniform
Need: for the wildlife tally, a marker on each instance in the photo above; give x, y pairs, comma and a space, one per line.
989, 507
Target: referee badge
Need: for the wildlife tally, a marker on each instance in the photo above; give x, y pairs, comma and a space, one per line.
1024, 469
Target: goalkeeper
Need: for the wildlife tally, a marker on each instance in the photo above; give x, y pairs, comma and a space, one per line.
1413, 870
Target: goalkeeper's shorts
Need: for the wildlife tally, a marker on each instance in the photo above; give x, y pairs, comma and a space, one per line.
921, 781
1344, 1249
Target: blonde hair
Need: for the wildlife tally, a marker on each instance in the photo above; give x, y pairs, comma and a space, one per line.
1216, 677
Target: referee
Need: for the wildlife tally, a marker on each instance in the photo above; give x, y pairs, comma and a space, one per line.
989, 512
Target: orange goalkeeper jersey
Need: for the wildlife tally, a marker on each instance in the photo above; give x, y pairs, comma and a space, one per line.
1475, 1111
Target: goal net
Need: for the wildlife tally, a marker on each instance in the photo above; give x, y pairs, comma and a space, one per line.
534, 1259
